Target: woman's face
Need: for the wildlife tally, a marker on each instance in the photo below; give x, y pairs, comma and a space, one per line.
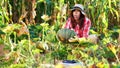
76, 15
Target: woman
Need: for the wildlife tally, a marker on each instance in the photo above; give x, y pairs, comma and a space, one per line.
78, 21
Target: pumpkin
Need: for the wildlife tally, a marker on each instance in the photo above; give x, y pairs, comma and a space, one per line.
65, 34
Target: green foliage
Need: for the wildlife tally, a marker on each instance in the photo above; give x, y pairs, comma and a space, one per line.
23, 51
35, 31
61, 53
18, 66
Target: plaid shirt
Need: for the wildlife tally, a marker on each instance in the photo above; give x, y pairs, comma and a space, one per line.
83, 32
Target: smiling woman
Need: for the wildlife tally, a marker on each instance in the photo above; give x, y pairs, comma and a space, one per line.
80, 24
78, 21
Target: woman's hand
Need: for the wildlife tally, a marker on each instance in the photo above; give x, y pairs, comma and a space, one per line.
74, 39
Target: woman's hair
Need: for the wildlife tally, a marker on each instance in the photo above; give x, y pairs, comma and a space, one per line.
81, 22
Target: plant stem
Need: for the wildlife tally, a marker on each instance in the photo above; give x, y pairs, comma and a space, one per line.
43, 35
117, 58
15, 37
30, 47
12, 47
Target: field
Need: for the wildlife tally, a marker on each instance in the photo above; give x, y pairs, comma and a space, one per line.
28, 34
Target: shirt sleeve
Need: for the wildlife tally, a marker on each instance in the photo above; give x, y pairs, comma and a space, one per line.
87, 26
67, 24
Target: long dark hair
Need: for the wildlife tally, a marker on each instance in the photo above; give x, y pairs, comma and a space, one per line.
81, 20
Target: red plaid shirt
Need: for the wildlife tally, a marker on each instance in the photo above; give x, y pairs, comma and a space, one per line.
83, 32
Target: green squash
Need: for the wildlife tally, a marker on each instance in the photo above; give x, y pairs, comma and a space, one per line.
65, 34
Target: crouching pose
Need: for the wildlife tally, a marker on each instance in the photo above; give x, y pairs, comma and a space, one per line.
79, 22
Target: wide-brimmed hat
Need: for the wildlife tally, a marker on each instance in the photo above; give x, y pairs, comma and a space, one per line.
79, 7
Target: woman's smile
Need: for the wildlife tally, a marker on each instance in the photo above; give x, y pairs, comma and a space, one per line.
76, 14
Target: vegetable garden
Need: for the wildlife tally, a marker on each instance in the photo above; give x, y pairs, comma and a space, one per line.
28, 30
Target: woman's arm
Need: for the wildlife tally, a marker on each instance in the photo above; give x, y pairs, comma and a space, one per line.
67, 24
87, 26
